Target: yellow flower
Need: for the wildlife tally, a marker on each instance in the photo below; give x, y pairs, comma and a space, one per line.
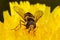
48, 27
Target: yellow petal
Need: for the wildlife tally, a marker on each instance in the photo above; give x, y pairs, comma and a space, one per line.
48, 26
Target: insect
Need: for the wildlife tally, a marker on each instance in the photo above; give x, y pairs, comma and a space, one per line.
29, 19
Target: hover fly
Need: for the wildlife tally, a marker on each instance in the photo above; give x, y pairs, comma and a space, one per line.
30, 20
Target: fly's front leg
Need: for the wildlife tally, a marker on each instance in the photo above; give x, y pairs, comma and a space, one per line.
21, 23
17, 27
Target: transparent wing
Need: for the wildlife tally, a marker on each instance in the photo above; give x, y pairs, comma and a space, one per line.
38, 14
20, 11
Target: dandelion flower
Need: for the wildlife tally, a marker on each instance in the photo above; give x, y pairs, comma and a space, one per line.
48, 24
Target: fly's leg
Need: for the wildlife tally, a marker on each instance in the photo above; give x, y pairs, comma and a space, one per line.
21, 23
17, 27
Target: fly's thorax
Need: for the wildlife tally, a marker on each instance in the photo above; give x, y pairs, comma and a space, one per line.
26, 18
28, 15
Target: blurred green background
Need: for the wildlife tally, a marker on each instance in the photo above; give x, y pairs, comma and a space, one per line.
4, 5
